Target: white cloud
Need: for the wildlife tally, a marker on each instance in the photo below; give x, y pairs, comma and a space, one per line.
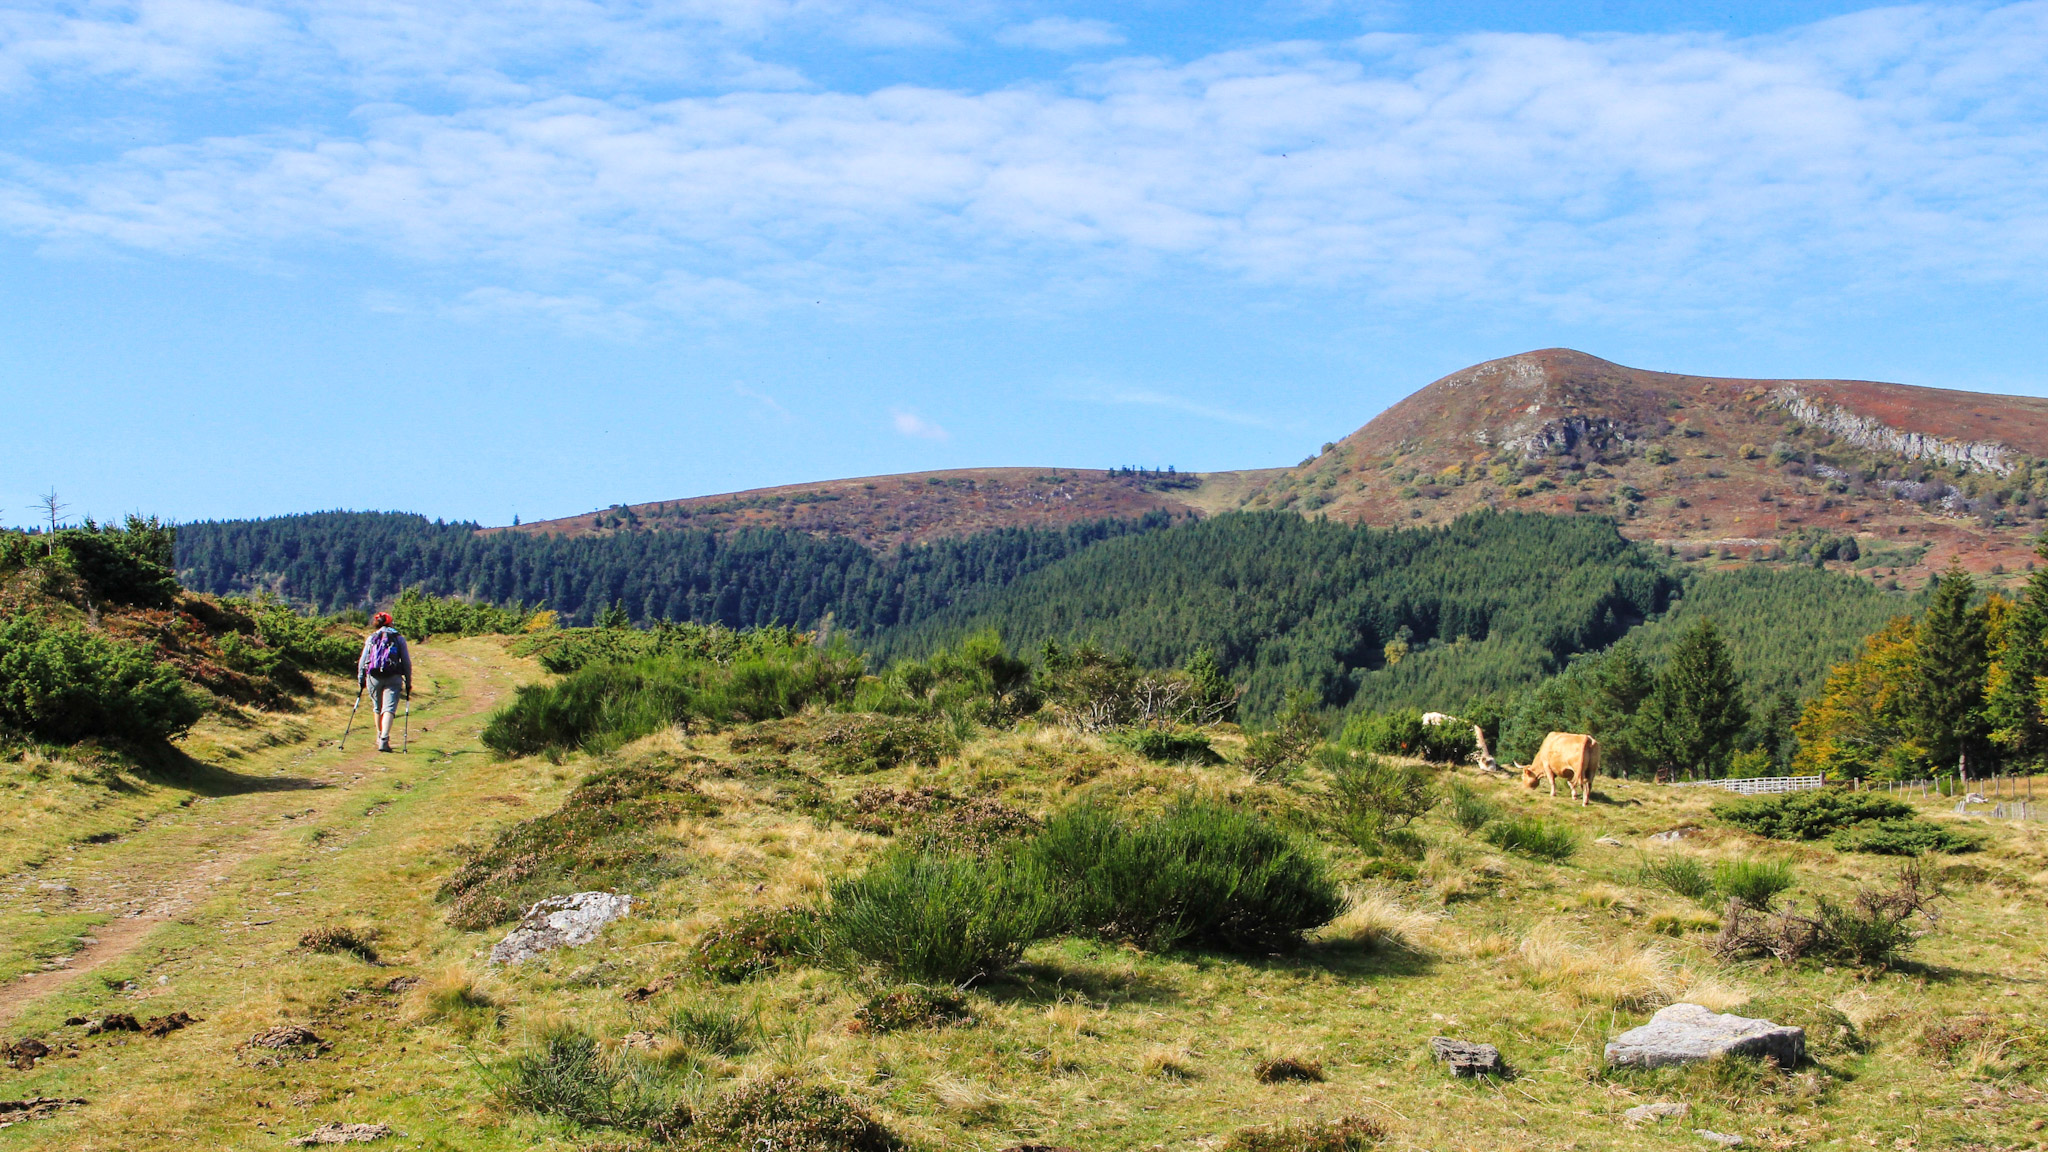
1873, 153
1061, 34
915, 426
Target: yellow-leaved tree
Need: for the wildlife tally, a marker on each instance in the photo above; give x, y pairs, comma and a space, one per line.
1861, 724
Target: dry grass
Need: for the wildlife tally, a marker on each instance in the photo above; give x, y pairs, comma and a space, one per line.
1087, 1045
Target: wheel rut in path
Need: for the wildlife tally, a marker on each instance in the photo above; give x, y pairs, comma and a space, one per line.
207, 843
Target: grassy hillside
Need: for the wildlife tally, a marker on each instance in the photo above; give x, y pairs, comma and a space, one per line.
1084, 1042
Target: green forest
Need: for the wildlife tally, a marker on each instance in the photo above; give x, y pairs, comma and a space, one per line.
753, 577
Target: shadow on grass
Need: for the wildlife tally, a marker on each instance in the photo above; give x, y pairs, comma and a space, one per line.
1053, 979
174, 769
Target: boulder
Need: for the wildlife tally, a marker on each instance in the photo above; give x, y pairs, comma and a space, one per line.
1673, 836
560, 922
1724, 1139
1684, 1033
1610, 842
343, 1134
1466, 1058
1651, 1113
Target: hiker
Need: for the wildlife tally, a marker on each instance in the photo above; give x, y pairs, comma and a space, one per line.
385, 668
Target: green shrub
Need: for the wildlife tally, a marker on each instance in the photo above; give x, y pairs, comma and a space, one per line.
1202, 874
569, 1078
1811, 815
1681, 874
755, 942
70, 684
1531, 836
565, 650
787, 1115
1371, 800
610, 832
913, 1007
605, 705
1401, 732
1912, 837
1470, 810
421, 616
131, 565
1167, 745
941, 919
309, 643
1754, 882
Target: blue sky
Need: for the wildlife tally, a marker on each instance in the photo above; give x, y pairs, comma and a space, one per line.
535, 257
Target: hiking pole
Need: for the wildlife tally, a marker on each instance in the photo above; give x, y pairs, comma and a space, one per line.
405, 737
351, 718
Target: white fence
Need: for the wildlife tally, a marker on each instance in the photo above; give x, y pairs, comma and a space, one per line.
1752, 785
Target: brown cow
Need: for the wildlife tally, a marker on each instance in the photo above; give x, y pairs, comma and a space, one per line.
1566, 754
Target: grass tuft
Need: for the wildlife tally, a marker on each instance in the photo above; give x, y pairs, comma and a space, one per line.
788, 1115
1349, 1134
333, 938
1533, 836
1281, 1069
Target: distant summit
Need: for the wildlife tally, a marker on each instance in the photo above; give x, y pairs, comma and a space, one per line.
1873, 475
1889, 479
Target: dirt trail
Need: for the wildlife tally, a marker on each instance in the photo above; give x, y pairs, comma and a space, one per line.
160, 871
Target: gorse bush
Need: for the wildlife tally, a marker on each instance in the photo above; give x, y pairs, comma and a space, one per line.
70, 684
1754, 882
940, 919
1200, 874
1532, 836
1371, 798
1470, 810
1680, 874
605, 705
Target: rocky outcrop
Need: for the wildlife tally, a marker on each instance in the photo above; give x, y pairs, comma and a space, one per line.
560, 922
1684, 1033
1866, 432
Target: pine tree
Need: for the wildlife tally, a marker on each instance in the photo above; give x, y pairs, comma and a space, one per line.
1696, 714
1947, 700
2012, 704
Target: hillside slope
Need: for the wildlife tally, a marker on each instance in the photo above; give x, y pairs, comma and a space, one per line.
886, 512
1754, 469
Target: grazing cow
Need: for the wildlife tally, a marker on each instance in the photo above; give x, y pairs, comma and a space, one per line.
1566, 754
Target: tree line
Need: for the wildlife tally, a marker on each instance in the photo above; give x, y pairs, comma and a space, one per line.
749, 577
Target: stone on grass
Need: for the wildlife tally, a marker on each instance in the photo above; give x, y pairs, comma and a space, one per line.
1610, 842
1684, 1033
1466, 1058
1724, 1139
1651, 1113
1673, 836
560, 922
343, 1134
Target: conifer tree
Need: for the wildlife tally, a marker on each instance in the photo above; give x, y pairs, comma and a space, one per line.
1696, 714
1949, 673
2012, 704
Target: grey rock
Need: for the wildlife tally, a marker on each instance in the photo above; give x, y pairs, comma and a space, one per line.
1466, 1058
1651, 1113
343, 1134
1610, 842
1724, 1139
1684, 1033
1673, 836
560, 922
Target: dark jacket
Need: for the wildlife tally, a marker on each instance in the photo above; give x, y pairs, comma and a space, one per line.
403, 668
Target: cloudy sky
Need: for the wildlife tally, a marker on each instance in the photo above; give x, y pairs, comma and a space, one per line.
538, 256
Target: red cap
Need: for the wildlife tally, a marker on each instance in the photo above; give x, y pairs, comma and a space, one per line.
381, 619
